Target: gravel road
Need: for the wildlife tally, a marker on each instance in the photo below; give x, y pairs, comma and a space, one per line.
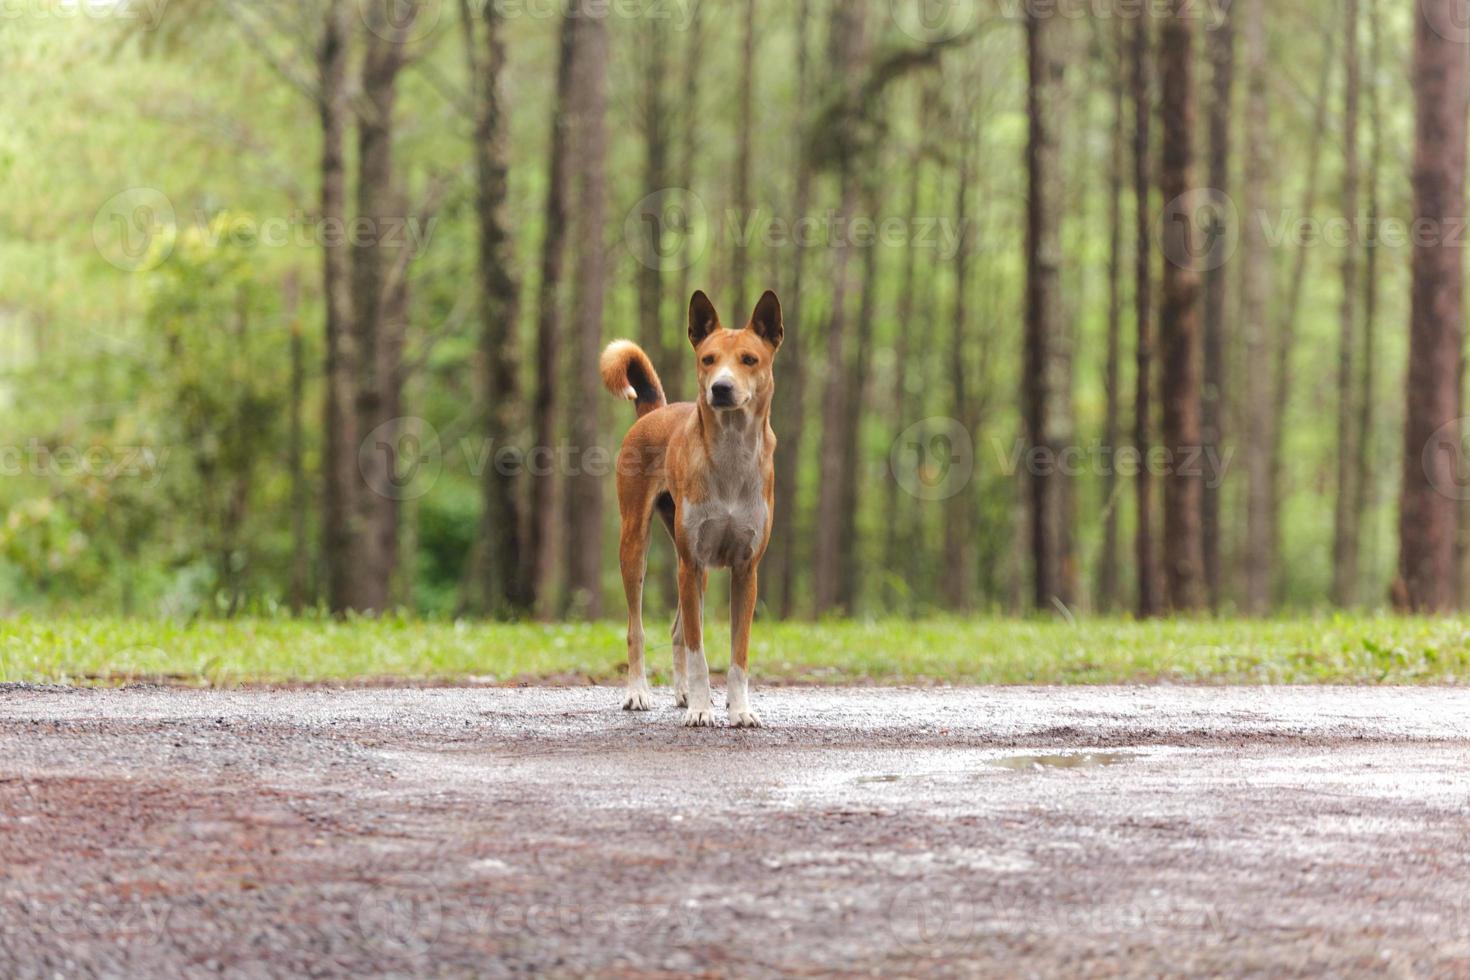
991, 832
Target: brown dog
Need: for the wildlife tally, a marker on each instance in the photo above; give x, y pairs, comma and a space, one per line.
706, 469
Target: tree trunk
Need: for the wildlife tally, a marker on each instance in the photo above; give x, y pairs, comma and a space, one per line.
958, 568
585, 483
790, 405
1043, 260
502, 586
740, 265
1431, 430
1146, 556
1061, 425
691, 133
1179, 324
541, 547
846, 43
374, 527
296, 448
1109, 571
856, 388
339, 435
1461, 558
665, 346
1363, 437
654, 331
1212, 403
394, 374
900, 526
1255, 288
1286, 339
1344, 515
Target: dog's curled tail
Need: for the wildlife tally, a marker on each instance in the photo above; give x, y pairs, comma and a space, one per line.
628, 373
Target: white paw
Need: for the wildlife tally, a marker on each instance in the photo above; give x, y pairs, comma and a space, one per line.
681, 698
638, 699
746, 719
700, 717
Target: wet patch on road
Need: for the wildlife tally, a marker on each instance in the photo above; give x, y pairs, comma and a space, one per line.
1080, 760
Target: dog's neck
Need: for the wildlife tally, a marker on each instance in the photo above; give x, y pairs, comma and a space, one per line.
736, 432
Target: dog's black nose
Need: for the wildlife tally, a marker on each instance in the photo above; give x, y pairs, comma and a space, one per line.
723, 392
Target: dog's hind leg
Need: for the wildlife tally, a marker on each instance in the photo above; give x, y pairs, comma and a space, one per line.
665, 511
633, 560
681, 665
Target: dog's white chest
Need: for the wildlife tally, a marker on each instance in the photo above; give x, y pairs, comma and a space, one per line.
727, 527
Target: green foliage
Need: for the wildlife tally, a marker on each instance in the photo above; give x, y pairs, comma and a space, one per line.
1338, 650
186, 358
218, 385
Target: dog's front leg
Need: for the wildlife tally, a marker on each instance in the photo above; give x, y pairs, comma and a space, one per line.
701, 711
742, 611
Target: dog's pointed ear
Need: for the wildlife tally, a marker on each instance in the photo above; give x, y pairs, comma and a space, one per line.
703, 320
766, 320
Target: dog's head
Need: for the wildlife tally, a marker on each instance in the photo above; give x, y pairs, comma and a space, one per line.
735, 365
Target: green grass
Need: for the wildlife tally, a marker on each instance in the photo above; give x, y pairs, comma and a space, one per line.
1337, 649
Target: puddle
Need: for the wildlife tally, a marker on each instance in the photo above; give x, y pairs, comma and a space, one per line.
1085, 760
1020, 763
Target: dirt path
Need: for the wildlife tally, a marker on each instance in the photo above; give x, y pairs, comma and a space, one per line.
1148, 831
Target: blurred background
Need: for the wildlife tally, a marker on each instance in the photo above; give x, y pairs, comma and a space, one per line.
300, 302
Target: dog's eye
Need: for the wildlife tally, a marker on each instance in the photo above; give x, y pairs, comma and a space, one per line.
709, 359
750, 360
